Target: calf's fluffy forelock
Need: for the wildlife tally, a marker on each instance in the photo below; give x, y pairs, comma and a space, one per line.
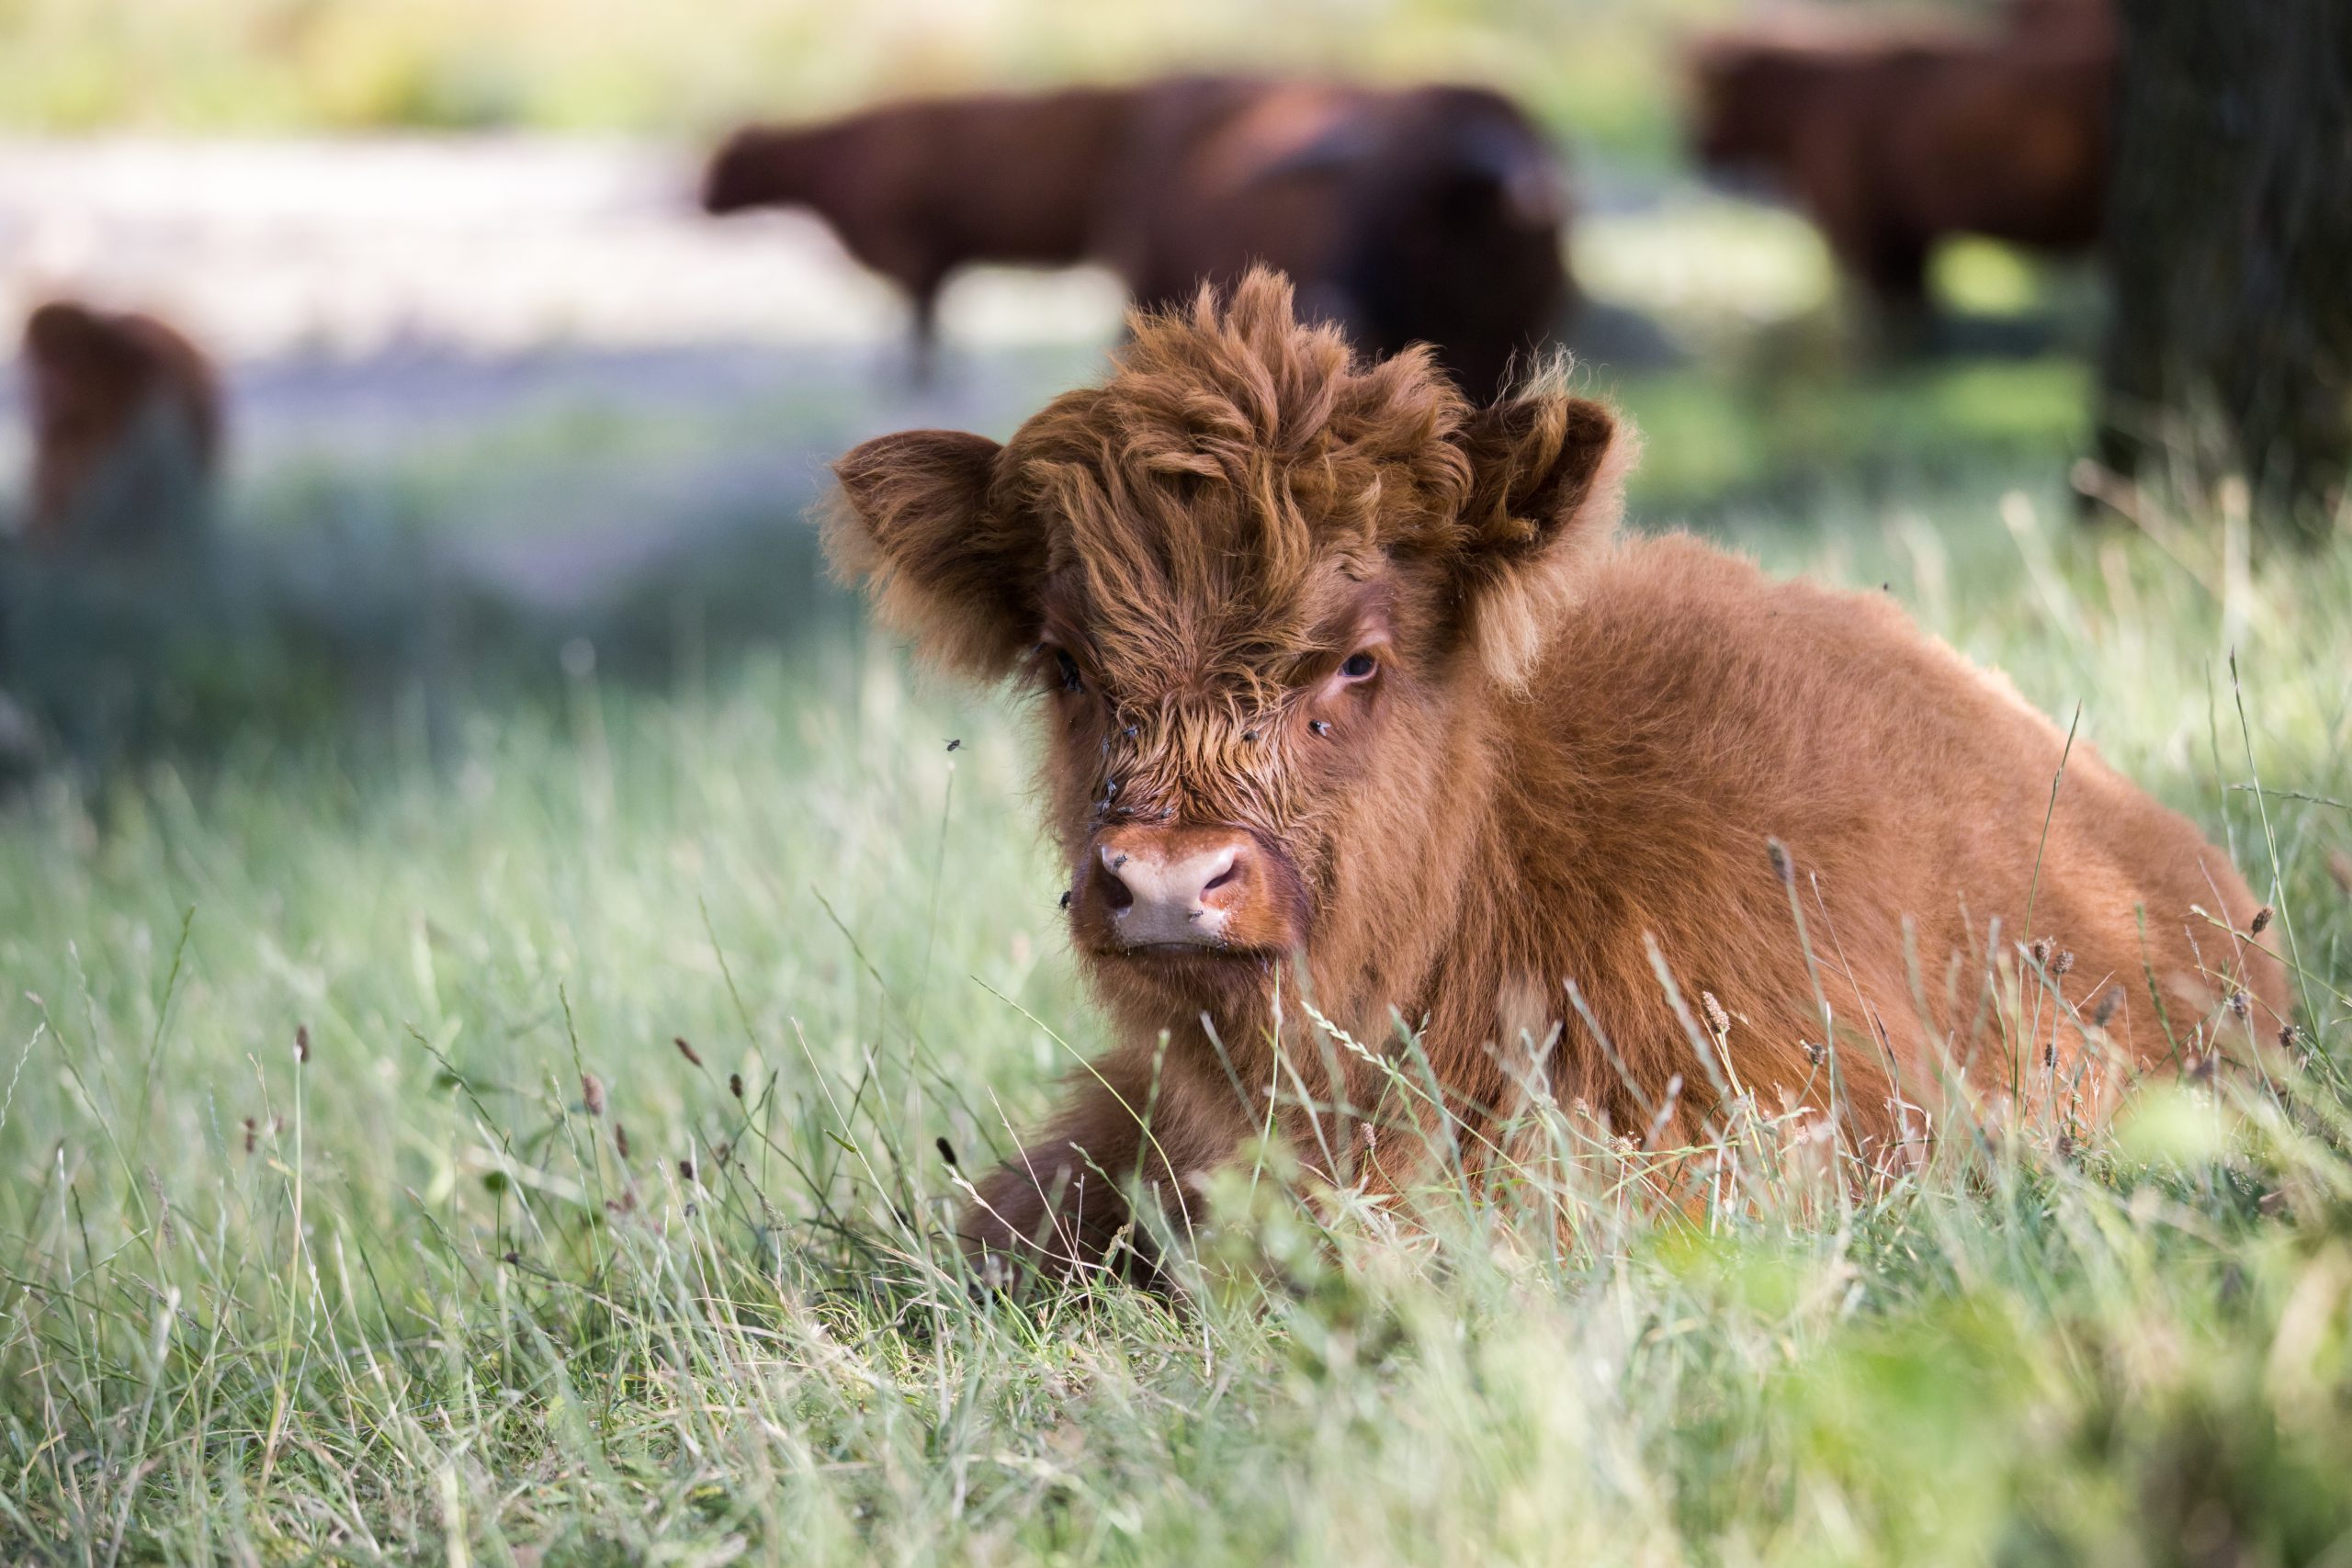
1196, 512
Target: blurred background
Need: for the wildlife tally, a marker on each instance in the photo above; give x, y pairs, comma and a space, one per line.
494, 391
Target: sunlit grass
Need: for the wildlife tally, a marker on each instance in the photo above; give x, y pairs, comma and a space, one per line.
1717, 437
1712, 265
1601, 69
410, 1298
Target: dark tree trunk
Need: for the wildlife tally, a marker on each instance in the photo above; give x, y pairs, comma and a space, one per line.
2229, 240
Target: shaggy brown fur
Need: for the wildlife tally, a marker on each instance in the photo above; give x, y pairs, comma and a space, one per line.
1564, 751
1892, 142
121, 397
1429, 214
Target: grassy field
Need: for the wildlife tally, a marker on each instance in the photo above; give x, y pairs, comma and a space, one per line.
1600, 71
1601, 68
359, 1202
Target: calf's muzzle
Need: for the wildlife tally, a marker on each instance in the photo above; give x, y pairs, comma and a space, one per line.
1158, 889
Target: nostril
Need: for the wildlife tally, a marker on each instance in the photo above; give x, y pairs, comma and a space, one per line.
1116, 892
1227, 874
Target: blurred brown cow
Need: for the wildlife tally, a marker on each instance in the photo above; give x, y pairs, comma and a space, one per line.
2085, 21
917, 190
1421, 214
1427, 214
1892, 140
127, 433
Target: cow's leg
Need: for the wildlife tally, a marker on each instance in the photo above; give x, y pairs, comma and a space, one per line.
1894, 269
1061, 1206
1058, 1205
922, 364
1874, 244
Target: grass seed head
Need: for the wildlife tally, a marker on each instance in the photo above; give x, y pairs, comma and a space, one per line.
2041, 949
2108, 1004
620, 1139
948, 1151
1781, 866
2063, 962
686, 1169
685, 1050
591, 1093
301, 1042
2261, 919
1717, 1020
163, 1208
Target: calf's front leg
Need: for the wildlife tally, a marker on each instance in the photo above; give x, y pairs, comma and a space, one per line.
1062, 1205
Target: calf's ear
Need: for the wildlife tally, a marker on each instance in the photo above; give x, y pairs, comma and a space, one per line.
1547, 487
954, 574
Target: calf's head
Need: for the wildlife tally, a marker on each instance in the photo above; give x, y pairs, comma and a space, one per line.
1267, 596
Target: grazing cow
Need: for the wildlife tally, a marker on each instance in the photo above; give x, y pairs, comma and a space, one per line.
1893, 143
918, 190
1350, 689
126, 429
1426, 214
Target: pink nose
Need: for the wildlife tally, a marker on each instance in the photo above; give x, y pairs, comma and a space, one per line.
1174, 888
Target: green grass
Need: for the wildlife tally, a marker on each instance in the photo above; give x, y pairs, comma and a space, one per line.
1600, 69
1716, 438
409, 1300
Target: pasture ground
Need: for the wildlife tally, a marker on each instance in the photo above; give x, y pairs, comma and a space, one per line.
417, 1292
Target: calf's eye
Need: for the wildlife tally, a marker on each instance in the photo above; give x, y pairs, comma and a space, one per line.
1359, 666
1072, 682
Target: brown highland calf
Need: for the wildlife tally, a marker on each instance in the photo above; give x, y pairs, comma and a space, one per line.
1423, 214
1892, 142
126, 416
1351, 691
